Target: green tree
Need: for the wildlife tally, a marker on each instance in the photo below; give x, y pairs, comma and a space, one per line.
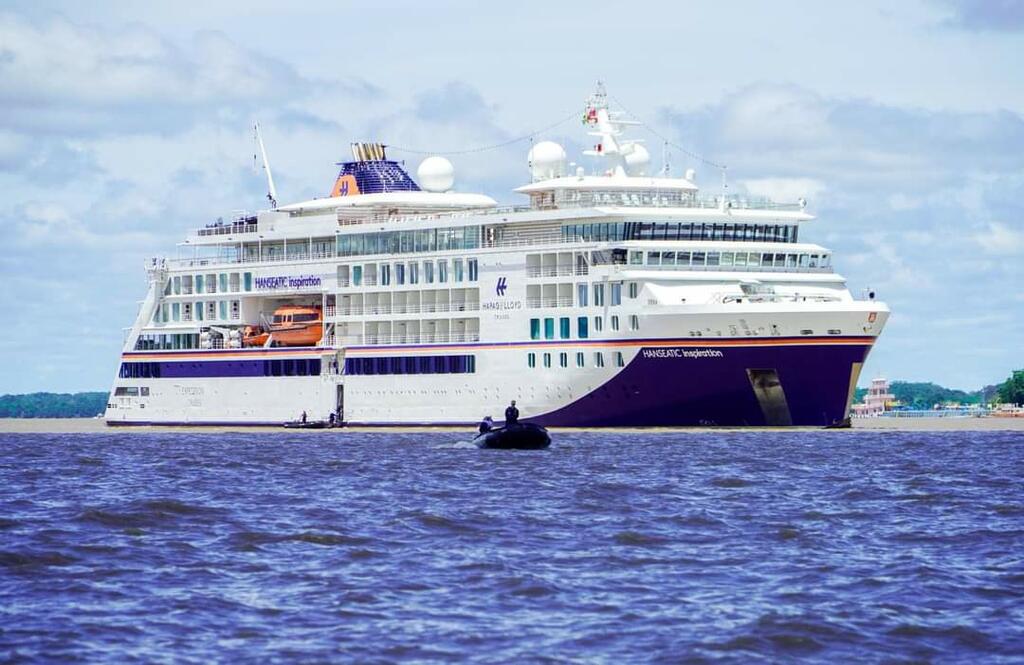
1012, 390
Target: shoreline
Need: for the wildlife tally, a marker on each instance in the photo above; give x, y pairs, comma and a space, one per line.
97, 425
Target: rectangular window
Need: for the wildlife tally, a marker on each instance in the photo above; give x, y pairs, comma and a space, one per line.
654, 258
598, 323
222, 282
616, 293
474, 270
176, 311
598, 359
236, 309
211, 284
581, 327
619, 361
234, 283
636, 258
211, 310
697, 258
615, 322
549, 328
580, 359
457, 270
682, 258
634, 322
199, 311
442, 271
531, 360
414, 273
428, 272
634, 289
599, 295
165, 312
399, 273
534, 328
223, 310
199, 283
385, 274
581, 295
547, 360
247, 279
186, 311
357, 275
563, 328
726, 258
177, 286
563, 359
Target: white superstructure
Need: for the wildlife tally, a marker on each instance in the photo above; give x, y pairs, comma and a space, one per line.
611, 298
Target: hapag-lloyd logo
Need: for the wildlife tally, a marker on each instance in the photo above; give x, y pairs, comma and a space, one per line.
287, 282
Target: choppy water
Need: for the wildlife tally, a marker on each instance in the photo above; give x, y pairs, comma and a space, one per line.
730, 547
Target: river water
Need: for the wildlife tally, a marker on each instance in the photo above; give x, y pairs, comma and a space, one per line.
608, 547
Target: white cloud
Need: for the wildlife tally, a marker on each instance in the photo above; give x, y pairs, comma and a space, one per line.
1001, 239
784, 189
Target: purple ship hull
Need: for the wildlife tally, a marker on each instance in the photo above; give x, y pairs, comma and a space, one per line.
799, 385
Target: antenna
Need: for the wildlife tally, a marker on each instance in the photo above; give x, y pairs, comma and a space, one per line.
272, 193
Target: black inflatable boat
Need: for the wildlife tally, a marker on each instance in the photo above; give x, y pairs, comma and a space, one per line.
521, 436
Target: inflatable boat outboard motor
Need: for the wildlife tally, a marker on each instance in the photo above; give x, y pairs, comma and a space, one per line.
521, 436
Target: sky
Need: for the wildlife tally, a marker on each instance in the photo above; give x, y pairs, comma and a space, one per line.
124, 124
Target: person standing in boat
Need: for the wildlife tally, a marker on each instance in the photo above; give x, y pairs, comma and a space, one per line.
511, 414
303, 417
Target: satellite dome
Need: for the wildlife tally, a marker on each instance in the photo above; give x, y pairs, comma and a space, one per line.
637, 160
547, 160
436, 174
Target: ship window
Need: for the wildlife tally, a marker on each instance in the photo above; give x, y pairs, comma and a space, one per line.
581, 327
457, 270
697, 258
654, 258
741, 259
713, 258
223, 307
531, 359
442, 271
814, 261
211, 310
616, 293
222, 282
474, 269
357, 275
636, 258
563, 359
199, 283
634, 322
682, 258
599, 295
668, 258
247, 281
563, 328
598, 323
619, 361
176, 311
615, 322
211, 284
399, 273
385, 274
580, 362
177, 286
428, 272
534, 328
547, 360
199, 311
581, 295
414, 273
804, 260
634, 289
767, 259
598, 359
806, 331
549, 328
299, 318
235, 309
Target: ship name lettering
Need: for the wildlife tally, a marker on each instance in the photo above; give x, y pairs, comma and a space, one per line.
287, 281
502, 304
682, 353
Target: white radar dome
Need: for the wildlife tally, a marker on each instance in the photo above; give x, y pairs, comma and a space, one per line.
547, 160
637, 160
436, 174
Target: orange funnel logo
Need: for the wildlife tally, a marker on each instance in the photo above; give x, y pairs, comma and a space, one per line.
345, 185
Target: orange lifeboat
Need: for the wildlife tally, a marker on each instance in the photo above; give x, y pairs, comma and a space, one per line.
254, 336
296, 325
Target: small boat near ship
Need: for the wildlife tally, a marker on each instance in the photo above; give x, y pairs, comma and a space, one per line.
520, 436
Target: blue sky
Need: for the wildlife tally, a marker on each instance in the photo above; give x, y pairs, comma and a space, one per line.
122, 126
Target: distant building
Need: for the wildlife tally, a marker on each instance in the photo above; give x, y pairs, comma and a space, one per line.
876, 400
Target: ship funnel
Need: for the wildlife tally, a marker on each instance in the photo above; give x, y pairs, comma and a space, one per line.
368, 152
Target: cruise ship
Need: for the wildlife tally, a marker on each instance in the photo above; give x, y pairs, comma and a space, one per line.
617, 297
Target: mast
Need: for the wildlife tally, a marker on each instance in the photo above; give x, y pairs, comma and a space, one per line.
272, 191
